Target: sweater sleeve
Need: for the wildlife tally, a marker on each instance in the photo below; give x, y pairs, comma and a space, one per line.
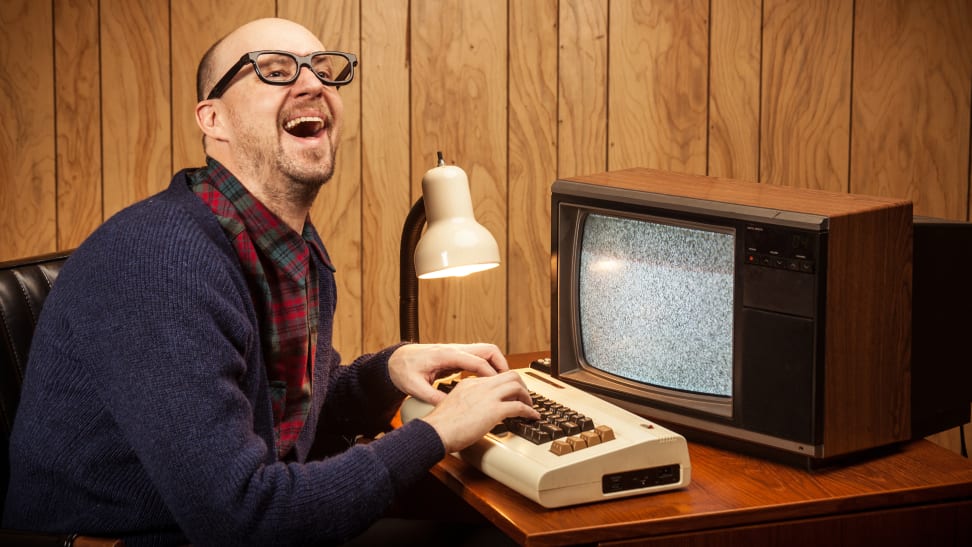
361, 398
170, 344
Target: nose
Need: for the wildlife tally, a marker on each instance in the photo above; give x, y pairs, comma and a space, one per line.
307, 81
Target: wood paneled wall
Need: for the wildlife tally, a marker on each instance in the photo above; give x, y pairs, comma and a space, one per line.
871, 96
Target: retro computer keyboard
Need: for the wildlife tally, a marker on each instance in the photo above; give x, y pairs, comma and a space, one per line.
583, 449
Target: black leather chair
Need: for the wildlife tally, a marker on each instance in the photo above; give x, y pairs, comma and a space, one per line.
24, 285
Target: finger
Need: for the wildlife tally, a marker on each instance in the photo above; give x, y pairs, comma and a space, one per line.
524, 410
470, 362
510, 387
518, 390
427, 393
491, 354
517, 407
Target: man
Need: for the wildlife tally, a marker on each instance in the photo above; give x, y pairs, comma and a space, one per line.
182, 371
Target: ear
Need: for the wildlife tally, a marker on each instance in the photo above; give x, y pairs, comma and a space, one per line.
209, 118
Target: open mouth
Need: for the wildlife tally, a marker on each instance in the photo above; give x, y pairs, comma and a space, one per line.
305, 126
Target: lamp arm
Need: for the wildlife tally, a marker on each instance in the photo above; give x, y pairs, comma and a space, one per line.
408, 281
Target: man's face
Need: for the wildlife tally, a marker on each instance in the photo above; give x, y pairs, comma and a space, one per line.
284, 135
292, 129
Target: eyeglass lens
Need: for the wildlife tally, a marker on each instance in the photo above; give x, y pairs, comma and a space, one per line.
281, 68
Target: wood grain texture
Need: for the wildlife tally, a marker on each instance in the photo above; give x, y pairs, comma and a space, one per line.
532, 169
78, 109
196, 25
136, 101
459, 106
386, 189
337, 211
819, 202
867, 375
875, 100
912, 81
806, 82
582, 115
28, 199
658, 85
910, 526
734, 69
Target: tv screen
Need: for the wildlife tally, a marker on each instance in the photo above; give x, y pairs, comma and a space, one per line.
655, 301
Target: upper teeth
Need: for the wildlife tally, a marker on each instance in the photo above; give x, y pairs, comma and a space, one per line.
294, 122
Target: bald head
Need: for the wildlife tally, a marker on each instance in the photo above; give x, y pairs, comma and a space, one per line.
269, 33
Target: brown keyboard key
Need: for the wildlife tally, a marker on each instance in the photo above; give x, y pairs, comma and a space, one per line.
560, 447
591, 437
605, 433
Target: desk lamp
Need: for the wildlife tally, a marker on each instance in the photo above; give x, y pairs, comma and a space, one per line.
454, 244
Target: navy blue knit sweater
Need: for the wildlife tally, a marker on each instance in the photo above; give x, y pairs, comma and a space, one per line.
145, 411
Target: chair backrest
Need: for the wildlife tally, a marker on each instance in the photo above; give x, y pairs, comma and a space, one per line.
24, 285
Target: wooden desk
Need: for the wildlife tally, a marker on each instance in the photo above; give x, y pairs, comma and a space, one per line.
918, 495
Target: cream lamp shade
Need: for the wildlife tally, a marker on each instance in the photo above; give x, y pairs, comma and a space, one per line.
454, 244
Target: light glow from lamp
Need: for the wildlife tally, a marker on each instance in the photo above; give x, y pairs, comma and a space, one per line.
459, 271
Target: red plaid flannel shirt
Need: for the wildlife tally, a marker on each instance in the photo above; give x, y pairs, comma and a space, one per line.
283, 284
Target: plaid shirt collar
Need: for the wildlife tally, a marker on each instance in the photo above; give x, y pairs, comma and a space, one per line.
274, 238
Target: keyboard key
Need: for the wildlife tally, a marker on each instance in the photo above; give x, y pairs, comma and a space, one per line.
560, 447
540, 436
591, 437
555, 431
519, 427
577, 443
605, 433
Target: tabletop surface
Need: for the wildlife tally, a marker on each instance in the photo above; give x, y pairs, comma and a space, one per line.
727, 489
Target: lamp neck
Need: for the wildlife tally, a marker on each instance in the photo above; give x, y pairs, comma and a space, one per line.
408, 281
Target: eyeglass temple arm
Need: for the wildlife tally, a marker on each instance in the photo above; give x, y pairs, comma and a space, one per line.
344, 73
228, 77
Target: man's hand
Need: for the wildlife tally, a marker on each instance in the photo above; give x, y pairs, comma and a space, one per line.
475, 405
413, 367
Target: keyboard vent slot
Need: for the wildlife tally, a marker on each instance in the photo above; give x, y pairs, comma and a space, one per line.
641, 478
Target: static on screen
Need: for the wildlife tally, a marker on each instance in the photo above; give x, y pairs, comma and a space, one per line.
656, 303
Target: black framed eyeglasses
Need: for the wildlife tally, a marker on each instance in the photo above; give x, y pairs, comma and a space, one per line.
332, 68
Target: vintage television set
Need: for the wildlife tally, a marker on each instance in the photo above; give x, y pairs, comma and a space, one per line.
771, 319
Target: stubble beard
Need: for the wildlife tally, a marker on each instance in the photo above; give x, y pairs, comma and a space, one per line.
306, 175
287, 175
